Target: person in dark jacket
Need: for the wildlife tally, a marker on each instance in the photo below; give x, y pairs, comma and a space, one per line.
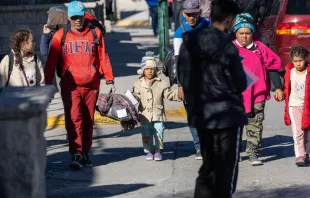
257, 8
191, 20
210, 70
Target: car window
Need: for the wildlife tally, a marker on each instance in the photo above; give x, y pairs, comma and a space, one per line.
298, 7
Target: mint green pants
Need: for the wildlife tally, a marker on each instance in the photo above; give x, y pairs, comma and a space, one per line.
151, 132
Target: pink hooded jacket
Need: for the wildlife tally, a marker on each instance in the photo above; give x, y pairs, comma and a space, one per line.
258, 61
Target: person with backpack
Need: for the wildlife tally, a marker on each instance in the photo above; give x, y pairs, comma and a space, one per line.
21, 67
213, 79
79, 50
191, 20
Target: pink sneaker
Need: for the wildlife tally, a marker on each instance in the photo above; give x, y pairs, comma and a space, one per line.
300, 161
149, 156
158, 156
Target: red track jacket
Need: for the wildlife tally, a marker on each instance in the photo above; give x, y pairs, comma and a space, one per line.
82, 62
305, 125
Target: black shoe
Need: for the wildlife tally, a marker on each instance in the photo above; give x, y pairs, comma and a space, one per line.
198, 156
254, 161
86, 161
76, 162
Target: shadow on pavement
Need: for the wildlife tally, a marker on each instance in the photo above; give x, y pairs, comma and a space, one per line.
125, 14
274, 148
123, 51
138, 130
172, 151
175, 125
63, 182
80, 189
135, 131
297, 191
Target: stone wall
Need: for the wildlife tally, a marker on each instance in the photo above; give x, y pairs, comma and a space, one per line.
22, 144
32, 17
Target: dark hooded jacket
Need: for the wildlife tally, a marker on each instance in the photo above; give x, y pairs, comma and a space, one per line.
257, 8
210, 71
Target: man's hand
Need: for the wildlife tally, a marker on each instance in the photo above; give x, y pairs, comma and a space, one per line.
180, 93
279, 94
46, 30
111, 88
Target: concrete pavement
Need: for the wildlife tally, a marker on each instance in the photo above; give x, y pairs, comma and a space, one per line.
132, 13
121, 171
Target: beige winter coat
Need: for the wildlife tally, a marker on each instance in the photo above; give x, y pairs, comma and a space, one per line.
34, 75
151, 97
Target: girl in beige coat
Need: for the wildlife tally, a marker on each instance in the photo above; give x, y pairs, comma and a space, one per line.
151, 91
27, 69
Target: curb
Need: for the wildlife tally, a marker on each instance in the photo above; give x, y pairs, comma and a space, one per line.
59, 120
127, 23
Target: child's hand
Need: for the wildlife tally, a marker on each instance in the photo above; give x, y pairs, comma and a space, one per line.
279, 94
180, 93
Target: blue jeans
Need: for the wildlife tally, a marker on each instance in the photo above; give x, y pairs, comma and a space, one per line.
154, 130
195, 138
154, 15
194, 133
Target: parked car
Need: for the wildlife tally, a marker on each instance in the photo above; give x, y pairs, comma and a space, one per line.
286, 24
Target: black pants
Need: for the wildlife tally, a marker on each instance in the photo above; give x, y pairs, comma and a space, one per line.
154, 15
109, 7
219, 171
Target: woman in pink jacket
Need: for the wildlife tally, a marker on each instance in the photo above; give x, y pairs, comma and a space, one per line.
264, 63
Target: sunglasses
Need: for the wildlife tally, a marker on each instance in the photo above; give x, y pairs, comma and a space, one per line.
74, 18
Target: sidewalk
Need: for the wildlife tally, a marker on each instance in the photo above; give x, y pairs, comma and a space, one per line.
132, 14
121, 171
125, 46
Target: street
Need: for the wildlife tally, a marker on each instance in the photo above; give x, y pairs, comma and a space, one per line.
120, 169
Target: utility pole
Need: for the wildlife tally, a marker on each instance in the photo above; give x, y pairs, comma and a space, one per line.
163, 28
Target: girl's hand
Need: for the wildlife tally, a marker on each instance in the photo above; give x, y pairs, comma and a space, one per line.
279, 94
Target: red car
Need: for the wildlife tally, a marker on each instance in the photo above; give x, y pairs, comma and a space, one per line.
287, 23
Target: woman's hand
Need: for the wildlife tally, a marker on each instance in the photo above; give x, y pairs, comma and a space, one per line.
279, 94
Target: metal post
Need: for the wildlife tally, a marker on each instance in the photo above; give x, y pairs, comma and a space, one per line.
163, 28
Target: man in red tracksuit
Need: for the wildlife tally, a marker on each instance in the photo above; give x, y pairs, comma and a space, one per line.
83, 60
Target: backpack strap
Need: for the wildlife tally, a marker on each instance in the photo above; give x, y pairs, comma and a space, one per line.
182, 25
64, 35
11, 63
35, 59
96, 40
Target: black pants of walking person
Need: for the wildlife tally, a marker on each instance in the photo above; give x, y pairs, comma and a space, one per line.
219, 171
154, 15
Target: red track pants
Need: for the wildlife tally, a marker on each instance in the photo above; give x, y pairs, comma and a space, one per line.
79, 106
